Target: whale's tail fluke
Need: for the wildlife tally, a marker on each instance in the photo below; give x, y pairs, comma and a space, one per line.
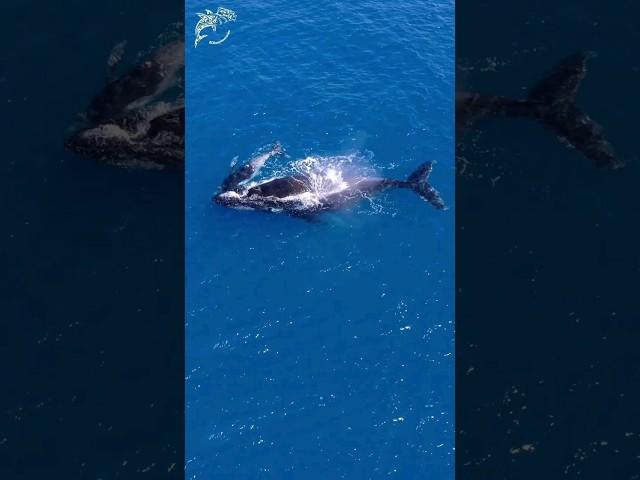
418, 182
552, 102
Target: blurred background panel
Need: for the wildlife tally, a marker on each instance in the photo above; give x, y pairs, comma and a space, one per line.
92, 260
547, 258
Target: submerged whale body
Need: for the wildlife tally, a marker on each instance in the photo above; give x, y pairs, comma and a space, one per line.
552, 102
306, 195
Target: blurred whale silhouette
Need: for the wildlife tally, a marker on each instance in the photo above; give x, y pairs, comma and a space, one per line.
552, 102
137, 119
126, 124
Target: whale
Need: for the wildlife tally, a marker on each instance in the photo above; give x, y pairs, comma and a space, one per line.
298, 195
552, 103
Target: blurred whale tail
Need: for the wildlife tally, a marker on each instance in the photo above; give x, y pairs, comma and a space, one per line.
552, 102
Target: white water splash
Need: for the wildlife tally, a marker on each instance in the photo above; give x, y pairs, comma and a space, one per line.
324, 176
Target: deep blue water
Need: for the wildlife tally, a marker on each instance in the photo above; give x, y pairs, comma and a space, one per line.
321, 350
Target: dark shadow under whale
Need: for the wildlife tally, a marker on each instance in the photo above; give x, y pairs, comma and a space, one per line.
552, 102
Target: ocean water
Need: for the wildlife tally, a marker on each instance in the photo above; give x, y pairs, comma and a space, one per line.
321, 349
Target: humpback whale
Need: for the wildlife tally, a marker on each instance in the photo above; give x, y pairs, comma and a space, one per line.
304, 196
552, 102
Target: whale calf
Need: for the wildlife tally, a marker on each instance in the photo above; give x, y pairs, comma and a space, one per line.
304, 195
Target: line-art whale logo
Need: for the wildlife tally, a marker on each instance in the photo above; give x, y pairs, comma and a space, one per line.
212, 20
